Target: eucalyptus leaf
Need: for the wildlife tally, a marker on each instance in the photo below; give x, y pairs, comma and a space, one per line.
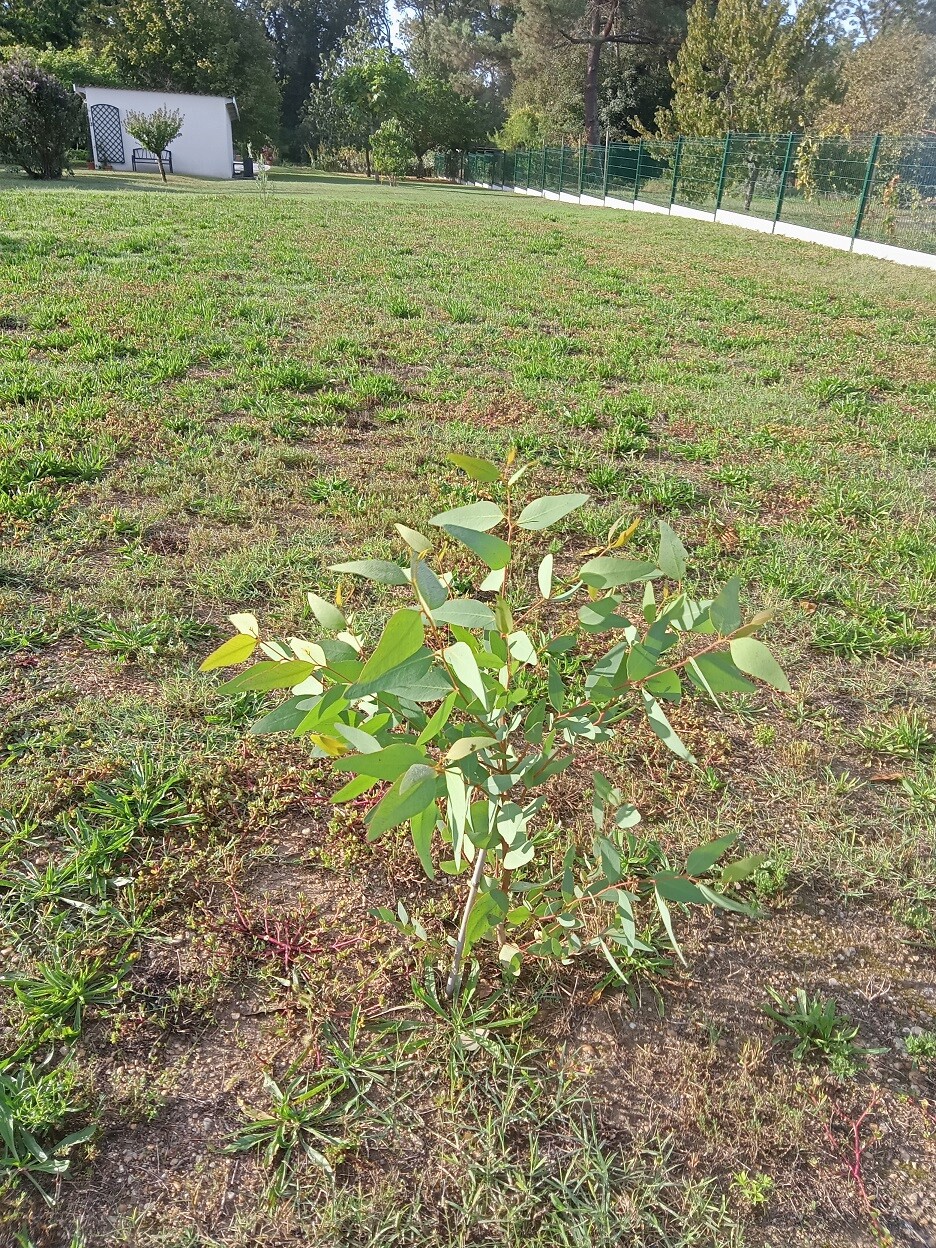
466, 612
609, 571
753, 657
478, 469
415, 540
543, 512
493, 551
673, 554
380, 570
231, 652
327, 614
544, 576
725, 611
479, 516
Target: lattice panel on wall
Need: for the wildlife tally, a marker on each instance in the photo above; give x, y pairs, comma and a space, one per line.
108, 136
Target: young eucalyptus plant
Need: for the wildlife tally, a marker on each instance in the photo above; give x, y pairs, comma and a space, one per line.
469, 704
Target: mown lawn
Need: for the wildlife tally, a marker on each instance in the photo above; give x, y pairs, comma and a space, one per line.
205, 399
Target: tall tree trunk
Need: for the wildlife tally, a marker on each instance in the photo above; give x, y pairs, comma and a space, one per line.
592, 66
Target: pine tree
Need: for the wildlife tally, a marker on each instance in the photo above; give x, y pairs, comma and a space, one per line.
749, 66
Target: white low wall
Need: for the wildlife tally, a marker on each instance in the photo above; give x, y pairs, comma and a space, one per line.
694, 214
900, 255
841, 242
807, 235
723, 217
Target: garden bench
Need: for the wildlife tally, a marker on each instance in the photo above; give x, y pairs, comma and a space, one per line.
141, 157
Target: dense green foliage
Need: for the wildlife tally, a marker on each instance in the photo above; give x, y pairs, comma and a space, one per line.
391, 151
751, 67
207, 46
38, 119
368, 88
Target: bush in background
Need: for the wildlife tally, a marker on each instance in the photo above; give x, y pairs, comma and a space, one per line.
38, 119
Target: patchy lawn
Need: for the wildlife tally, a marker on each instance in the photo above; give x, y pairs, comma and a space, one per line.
205, 399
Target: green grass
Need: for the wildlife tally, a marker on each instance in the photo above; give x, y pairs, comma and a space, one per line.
207, 397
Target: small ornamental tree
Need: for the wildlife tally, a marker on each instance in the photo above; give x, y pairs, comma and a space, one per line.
39, 118
391, 151
155, 130
467, 706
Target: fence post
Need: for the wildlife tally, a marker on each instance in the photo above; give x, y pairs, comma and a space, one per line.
676, 158
543, 178
866, 188
529, 166
561, 163
581, 177
604, 179
722, 172
785, 173
637, 169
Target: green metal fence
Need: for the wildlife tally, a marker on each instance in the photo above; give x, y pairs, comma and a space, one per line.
873, 188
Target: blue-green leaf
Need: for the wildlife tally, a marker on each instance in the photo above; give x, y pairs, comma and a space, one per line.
673, 554
396, 807
431, 590
493, 551
284, 718
704, 857
608, 571
422, 826
663, 728
327, 614
380, 570
753, 657
725, 611
477, 469
543, 512
402, 637
480, 516
465, 612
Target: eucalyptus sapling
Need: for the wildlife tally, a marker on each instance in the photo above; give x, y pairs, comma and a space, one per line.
468, 705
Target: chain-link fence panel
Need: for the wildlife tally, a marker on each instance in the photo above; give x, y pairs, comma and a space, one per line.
593, 171
754, 167
654, 173
824, 183
697, 173
553, 162
622, 171
876, 189
900, 205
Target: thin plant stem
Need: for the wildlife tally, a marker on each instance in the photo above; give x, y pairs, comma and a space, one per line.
454, 980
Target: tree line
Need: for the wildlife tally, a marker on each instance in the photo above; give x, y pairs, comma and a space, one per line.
339, 80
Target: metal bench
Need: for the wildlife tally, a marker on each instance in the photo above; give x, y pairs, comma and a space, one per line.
140, 157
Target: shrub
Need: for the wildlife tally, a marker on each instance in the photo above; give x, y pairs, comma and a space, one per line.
155, 130
391, 151
467, 709
38, 119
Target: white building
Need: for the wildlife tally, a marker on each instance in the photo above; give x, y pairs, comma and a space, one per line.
204, 146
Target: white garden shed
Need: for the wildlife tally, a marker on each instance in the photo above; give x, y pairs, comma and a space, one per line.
204, 147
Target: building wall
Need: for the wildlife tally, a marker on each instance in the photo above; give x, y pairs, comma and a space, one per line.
204, 146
